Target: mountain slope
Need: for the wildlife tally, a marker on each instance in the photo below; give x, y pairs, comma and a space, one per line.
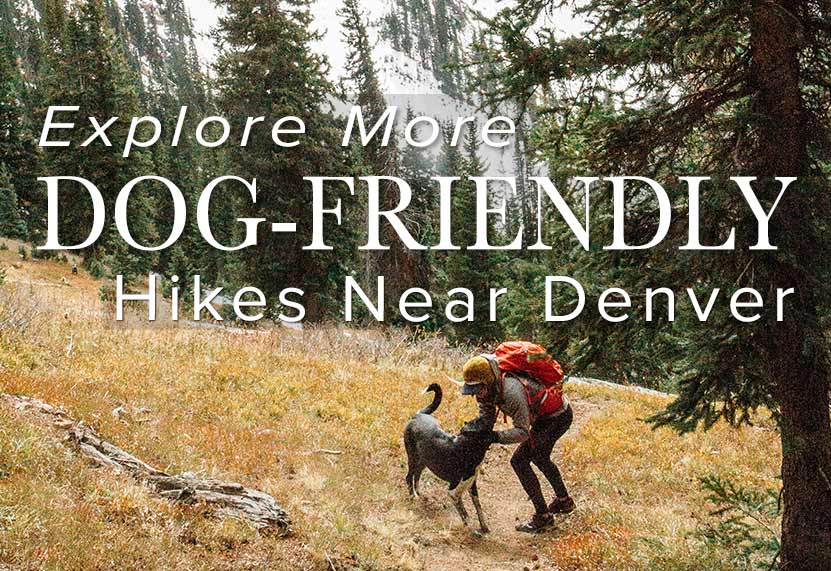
264, 407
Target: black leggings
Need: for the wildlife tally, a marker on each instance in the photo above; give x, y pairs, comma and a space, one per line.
537, 450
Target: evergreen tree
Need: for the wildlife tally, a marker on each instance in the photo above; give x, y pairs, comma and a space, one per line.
17, 148
401, 267
135, 26
26, 54
141, 22
182, 62
406, 30
475, 270
89, 67
422, 13
59, 53
175, 81
12, 224
523, 201
7, 18
391, 29
214, 265
267, 69
448, 21
724, 89
361, 78
431, 32
115, 19
416, 166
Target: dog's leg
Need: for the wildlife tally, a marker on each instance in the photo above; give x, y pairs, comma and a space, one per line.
413, 479
460, 507
457, 493
474, 495
411, 485
417, 481
414, 466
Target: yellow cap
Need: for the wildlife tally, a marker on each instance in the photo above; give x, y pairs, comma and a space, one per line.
478, 370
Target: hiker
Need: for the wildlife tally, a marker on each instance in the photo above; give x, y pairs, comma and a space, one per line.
522, 381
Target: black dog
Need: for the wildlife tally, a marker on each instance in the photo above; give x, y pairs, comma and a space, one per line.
454, 459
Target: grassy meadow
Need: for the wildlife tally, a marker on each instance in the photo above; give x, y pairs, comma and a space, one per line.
268, 407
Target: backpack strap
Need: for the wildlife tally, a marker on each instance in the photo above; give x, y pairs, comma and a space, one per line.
538, 398
535, 401
491, 359
500, 379
524, 384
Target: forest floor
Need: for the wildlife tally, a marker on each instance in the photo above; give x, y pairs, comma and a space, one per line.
263, 407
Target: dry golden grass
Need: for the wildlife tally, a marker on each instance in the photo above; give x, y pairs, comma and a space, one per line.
257, 407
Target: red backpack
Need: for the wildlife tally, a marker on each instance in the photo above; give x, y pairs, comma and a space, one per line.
533, 360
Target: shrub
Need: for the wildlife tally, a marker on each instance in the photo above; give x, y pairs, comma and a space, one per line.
11, 223
43, 254
746, 523
229, 316
96, 267
106, 293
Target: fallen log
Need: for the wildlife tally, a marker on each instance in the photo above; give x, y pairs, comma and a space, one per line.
228, 498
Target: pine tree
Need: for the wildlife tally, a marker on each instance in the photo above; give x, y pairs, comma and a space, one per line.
523, 198
422, 17
135, 26
174, 79
401, 267
8, 20
214, 265
749, 96
406, 30
12, 224
391, 29
416, 166
11, 111
476, 270
17, 148
90, 68
63, 52
446, 49
268, 69
182, 61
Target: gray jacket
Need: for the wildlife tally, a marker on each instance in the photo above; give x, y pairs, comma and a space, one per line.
513, 402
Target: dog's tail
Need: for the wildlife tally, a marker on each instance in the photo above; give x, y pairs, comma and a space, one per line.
431, 408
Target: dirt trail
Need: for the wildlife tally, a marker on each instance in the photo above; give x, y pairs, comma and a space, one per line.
444, 545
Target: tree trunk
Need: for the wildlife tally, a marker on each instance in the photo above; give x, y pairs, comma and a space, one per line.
806, 470
799, 365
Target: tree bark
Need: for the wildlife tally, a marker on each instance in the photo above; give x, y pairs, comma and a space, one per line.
799, 365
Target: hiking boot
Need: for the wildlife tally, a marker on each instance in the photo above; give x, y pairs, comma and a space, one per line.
561, 506
537, 523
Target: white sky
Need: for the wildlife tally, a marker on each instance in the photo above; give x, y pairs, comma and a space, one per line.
204, 14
